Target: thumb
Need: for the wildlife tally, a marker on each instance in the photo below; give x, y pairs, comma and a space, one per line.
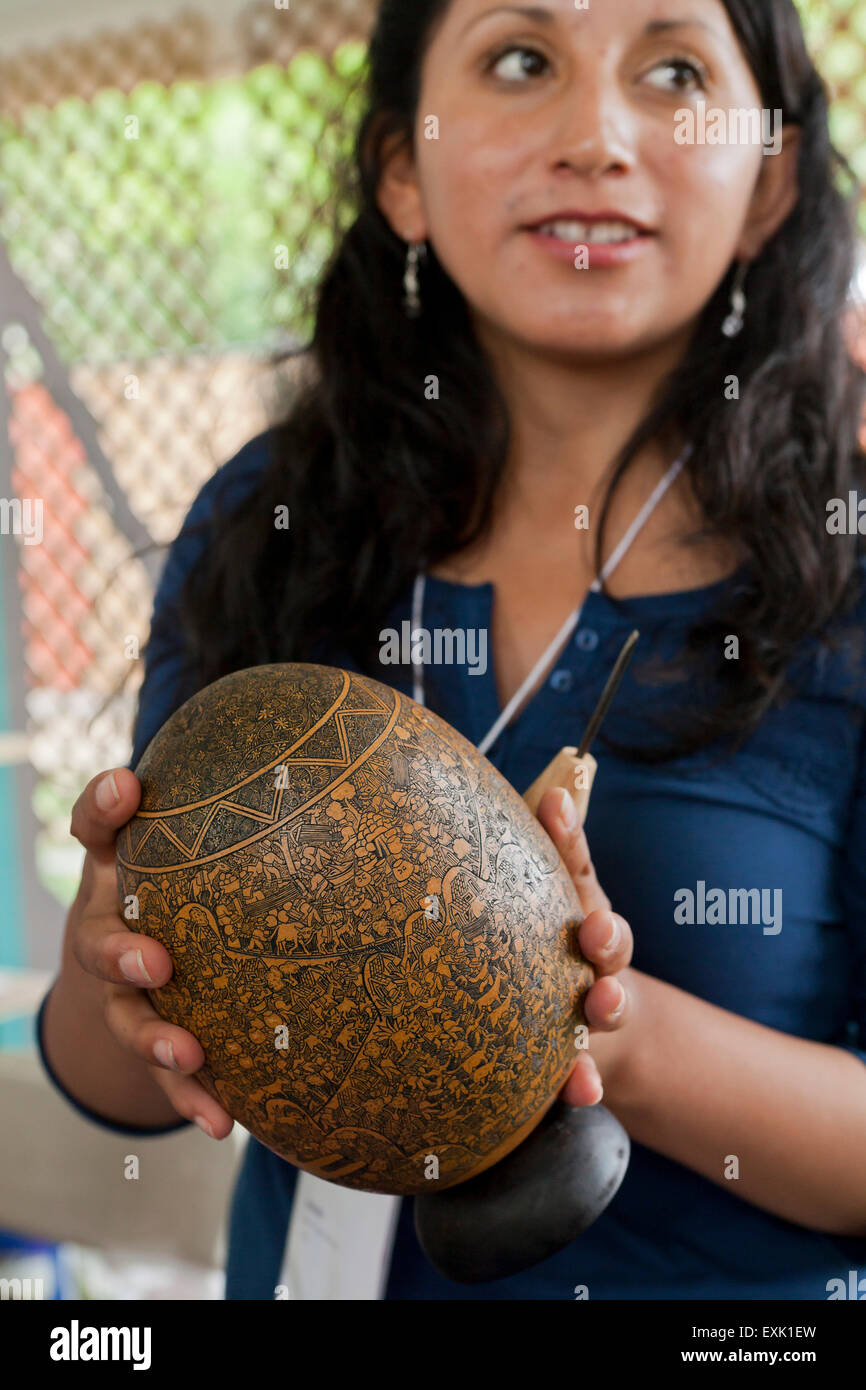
108, 801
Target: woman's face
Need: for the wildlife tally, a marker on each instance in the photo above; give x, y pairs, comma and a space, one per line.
564, 113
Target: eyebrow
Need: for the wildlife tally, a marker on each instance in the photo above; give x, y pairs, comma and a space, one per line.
534, 12
659, 26
540, 15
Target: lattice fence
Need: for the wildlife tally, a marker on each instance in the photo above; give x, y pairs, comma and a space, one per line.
167, 199
166, 202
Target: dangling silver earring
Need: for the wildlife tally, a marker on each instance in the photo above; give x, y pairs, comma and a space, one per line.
733, 324
412, 299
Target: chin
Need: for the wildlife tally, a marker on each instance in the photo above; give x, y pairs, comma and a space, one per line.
590, 345
580, 336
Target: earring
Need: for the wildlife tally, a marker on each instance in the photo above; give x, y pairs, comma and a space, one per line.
417, 252
733, 324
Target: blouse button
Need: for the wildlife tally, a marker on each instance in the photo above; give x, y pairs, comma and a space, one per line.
562, 681
586, 639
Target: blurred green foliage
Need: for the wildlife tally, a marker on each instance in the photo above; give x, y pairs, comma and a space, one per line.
151, 221
162, 236
836, 34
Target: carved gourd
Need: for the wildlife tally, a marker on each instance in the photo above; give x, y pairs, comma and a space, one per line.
373, 938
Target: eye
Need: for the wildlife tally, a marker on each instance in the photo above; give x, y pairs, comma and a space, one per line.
515, 68
681, 74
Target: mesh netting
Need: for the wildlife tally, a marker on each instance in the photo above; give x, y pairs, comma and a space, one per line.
168, 196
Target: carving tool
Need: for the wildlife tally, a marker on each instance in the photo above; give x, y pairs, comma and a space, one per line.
575, 768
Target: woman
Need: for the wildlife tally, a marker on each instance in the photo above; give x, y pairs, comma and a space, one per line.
608, 311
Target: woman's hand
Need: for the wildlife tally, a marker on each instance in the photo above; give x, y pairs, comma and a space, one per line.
604, 938
127, 963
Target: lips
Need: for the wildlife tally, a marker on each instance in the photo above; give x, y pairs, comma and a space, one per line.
576, 215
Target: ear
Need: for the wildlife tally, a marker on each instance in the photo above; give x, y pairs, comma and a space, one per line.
398, 194
775, 197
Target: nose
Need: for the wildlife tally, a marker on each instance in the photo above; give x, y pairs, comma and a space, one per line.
596, 134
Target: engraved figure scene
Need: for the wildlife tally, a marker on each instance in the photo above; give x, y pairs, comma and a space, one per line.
371, 936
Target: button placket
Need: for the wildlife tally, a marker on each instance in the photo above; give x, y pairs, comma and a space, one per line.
587, 641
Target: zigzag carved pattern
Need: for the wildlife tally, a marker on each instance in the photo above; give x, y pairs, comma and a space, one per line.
273, 818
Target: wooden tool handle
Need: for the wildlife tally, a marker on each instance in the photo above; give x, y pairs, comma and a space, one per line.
569, 771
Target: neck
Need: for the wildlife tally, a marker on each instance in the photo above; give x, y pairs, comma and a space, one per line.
569, 422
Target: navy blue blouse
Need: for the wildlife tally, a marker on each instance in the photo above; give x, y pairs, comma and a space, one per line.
786, 815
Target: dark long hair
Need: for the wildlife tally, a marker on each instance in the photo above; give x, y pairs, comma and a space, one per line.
381, 481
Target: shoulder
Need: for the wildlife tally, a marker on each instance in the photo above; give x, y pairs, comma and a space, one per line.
233, 481
164, 686
842, 657
225, 490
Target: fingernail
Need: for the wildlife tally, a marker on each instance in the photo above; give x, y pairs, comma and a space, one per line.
591, 1063
164, 1054
615, 934
107, 795
132, 968
567, 810
615, 1013
204, 1126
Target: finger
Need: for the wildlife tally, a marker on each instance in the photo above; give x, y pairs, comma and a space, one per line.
583, 1086
101, 892
108, 801
134, 1022
173, 1054
558, 814
104, 949
606, 940
192, 1102
606, 1005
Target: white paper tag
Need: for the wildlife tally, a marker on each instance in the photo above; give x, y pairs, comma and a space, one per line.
339, 1242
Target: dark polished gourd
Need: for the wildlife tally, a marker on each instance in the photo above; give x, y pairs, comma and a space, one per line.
373, 938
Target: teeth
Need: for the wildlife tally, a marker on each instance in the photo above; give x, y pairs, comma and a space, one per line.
593, 233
